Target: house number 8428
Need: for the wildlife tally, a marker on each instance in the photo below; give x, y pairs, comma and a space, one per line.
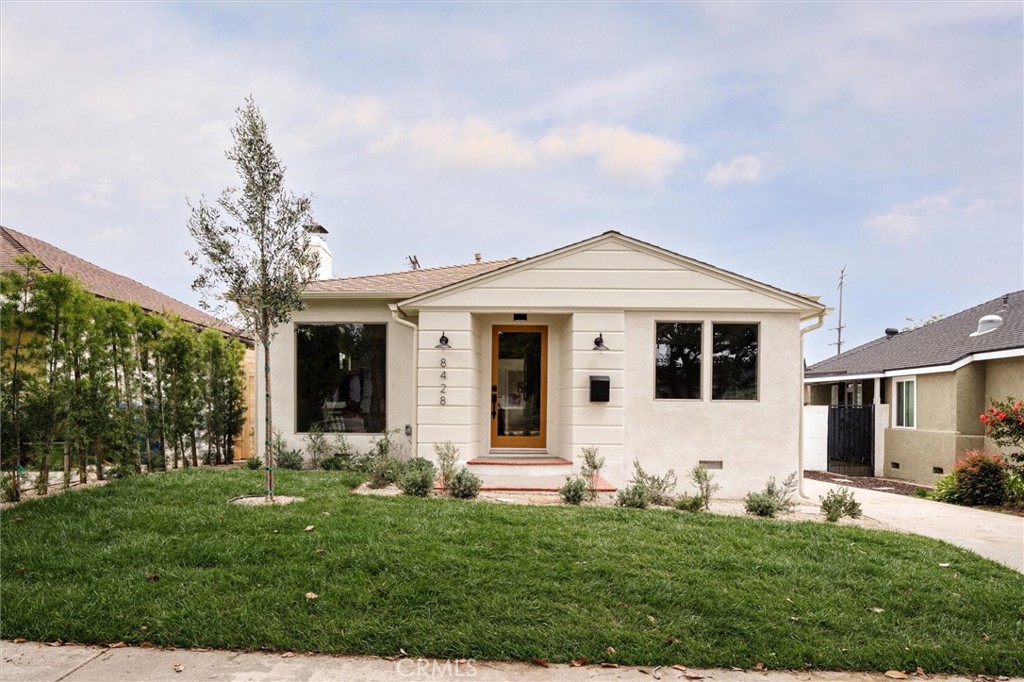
444, 377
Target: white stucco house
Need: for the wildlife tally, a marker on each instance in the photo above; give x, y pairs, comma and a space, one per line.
610, 342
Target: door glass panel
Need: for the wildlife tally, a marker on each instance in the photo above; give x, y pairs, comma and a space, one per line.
519, 383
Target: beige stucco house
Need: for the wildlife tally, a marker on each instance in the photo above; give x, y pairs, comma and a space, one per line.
610, 342
929, 386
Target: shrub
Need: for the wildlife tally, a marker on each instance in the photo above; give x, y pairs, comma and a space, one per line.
464, 484
447, 458
706, 487
289, 459
1004, 424
837, 504
1014, 488
977, 479
254, 463
633, 495
317, 446
761, 504
418, 477
122, 471
658, 489
9, 491
335, 463
574, 491
776, 498
591, 469
690, 503
383, 472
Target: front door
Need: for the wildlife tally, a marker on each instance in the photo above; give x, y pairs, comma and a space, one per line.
519, 386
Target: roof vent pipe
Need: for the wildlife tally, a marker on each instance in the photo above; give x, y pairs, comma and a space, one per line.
987, 324
891, 332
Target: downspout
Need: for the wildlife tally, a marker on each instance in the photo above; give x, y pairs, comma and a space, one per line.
399, 317
803, 389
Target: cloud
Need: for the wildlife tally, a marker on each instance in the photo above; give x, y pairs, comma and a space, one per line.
111, 233
97, 195
913, 220
472, 143
618, 151
742, 169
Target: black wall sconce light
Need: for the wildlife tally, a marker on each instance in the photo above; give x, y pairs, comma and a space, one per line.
443, 343
599, 343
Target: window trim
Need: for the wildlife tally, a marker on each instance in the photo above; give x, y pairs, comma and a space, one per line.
898, 395
295, 372
703, 355
757, 368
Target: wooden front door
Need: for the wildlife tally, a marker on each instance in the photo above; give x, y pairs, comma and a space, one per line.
519, 386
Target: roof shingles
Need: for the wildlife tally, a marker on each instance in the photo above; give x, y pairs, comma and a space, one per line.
942, 342
100, 281
407, 283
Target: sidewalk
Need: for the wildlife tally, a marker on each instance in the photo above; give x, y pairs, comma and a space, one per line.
992, 535
35, 662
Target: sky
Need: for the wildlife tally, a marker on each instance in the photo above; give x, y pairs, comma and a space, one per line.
781, 141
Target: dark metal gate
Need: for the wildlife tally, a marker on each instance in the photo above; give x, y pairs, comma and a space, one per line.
851, 440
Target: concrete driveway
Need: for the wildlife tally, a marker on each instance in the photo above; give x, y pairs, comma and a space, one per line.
992, 535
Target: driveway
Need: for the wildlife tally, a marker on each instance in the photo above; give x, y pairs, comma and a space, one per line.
990, 534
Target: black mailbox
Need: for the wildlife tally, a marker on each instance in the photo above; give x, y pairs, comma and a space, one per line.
600, 389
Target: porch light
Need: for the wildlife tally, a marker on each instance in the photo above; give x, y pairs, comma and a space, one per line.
443, 343
599, 343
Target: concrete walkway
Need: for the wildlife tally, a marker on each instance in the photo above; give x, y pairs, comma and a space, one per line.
992, 535
35, 662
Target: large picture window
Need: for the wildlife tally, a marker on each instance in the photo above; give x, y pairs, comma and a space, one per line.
677, 360
341, 377
734, 362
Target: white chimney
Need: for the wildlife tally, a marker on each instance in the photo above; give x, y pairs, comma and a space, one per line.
318, 245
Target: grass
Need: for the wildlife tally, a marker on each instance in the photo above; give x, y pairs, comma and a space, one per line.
453, 579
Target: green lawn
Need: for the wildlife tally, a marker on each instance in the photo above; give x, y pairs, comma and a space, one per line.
450, 578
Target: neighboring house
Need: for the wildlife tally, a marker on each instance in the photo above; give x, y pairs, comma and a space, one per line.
610, 342
929, 386
109, 285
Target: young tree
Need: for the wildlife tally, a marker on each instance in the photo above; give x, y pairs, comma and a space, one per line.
253, 247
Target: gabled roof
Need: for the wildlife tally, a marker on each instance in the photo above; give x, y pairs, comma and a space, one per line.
809, 306
940, 343
100, 281
406, 283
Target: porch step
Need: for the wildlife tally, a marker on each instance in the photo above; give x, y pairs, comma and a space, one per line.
520, 466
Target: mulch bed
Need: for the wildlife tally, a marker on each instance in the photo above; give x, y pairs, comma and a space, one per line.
885, 485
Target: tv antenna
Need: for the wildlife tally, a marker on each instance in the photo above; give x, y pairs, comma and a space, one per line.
840, 326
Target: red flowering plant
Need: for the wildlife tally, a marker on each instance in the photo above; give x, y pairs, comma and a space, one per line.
1004, 422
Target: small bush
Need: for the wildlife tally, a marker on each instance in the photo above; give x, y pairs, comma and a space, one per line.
9, 491
418, 477
254, 463
658, 489
837, 504
980, 479
776, 498
383, 472
574, 491
633, 495
706, 487
289, 459
590, 470
464, 484
761, 504
447, 459
122, 471
690, 503
335, 463
317, 446
1014, 496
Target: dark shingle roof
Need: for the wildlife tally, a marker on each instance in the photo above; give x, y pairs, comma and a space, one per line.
942, 342
407, 283
100, 281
